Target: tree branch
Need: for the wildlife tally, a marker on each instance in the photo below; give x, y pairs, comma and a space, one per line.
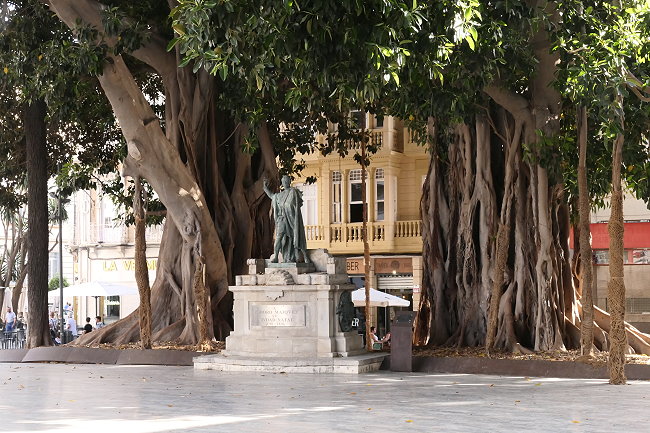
153, 52
517, 105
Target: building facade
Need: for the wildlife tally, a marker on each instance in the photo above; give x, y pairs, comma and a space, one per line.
102, 250
636, 259
333, 212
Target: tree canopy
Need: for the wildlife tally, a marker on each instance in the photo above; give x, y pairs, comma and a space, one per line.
207, 94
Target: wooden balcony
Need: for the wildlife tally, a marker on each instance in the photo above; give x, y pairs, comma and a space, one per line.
383, 237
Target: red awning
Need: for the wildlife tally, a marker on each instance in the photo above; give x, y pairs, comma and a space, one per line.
637, 235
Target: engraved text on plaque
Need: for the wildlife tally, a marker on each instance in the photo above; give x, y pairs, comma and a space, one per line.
277, 315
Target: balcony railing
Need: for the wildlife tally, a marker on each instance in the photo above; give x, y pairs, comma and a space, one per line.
406, 235
408, 229
376, 139
108, 233
116, 234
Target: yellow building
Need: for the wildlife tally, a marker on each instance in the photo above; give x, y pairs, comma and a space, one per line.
332, 209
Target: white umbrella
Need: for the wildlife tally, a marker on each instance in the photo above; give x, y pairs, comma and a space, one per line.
377, 299
96, 288
7, 300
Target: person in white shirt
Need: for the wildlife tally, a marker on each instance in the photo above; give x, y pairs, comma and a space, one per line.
98, 322
10, 320
71, 325
53, 321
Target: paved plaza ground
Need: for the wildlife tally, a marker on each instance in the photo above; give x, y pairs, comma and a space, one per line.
129, 399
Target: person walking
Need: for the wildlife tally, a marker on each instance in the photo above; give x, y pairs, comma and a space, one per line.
10, 320
71, 325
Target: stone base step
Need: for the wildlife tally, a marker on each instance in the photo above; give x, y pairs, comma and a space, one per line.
365, 363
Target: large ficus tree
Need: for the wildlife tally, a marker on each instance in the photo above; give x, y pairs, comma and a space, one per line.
502, 126
232, 74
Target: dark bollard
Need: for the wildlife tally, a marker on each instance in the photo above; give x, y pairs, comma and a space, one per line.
401, 342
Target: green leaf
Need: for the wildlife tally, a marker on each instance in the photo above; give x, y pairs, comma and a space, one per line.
473, 33
470, 42
172, 44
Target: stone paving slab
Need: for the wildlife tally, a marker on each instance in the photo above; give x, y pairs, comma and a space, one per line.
357, 364
57, 398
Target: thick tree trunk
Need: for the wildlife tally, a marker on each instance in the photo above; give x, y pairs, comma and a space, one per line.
213, 194
616, 286
36, 151
586, 263
141, 269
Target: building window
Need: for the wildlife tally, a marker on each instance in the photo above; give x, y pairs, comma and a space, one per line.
356, 203
309, 208
53, 265
379, 122
112, 312
358, 119
336, 197
641, 257
637, 305
379, 194
601, 257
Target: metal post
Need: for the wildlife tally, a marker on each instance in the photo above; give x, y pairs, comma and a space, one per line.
61, 264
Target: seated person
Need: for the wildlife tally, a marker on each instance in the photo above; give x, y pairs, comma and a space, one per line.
88, 327
373, 335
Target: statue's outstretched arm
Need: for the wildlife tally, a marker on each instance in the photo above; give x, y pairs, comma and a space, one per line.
266, 188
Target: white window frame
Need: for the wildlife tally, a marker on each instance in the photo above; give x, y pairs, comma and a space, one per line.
380, 180
309, 208
362, 115
337, 206
354, 177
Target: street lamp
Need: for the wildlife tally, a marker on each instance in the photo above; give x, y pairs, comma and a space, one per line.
60, 205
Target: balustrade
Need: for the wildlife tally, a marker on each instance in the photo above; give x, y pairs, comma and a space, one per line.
353, 233
408, 229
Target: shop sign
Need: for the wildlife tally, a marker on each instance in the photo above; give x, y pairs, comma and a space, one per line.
354, 266
125, 265
397, 265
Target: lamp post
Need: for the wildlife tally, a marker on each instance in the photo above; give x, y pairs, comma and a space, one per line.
61, 262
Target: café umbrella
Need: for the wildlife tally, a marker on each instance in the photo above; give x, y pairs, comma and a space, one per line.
377, 299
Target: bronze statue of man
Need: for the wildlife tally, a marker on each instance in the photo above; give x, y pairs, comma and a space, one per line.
289, 229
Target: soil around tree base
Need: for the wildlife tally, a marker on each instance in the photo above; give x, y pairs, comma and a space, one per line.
93, 355
564, 364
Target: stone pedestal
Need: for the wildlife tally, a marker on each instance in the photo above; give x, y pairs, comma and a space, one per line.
286, 319
289, 310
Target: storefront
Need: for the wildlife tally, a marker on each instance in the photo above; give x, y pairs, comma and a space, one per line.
108, 264
395, 275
